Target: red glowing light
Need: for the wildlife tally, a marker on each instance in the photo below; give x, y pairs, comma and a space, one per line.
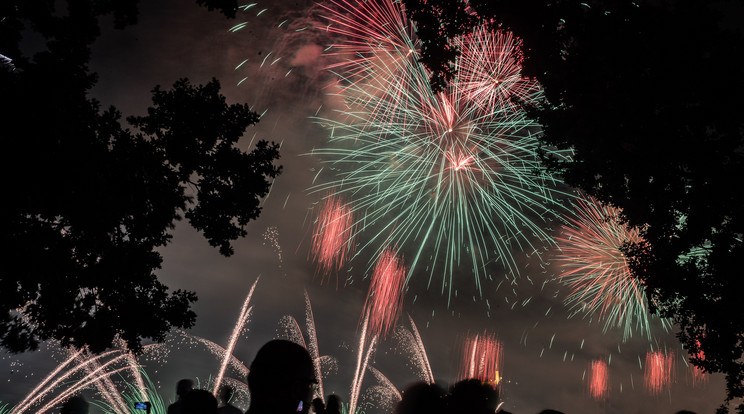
385, 296
598, 380
333, 239
482, 359
658, 371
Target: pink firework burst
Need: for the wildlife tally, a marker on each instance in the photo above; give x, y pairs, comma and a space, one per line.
482, 359
657, 374
595, 269
598, 380
333, 237
490, 71
385, 296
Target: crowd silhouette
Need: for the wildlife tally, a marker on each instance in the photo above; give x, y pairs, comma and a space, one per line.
282, 378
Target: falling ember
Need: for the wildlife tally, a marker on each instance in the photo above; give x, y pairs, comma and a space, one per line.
333, 237
598, 384
385, 296
271, 236
658, 371
482, 359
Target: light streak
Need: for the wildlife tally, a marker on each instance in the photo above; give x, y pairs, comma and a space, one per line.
385, 296
237, 330
333, 237
657, 373
598, 380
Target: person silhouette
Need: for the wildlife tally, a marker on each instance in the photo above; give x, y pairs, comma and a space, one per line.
199, 402
225, 395
474, 397
182, 388
422, 397
281, 379
75, 405
332, 407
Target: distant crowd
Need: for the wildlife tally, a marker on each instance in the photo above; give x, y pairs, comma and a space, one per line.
282, 379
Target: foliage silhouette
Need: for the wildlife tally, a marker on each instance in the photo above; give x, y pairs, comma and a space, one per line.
88, 201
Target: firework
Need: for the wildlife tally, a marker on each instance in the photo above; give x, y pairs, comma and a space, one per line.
362, 361
292, 332
490, 72
434, 171
385, 296
598, 384
482, 359
411, 342
333, 238
657, 373
595, 269
245, 312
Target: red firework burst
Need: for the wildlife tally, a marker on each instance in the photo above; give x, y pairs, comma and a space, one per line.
598, 380
333, 238
658, 371
482, 358
385, 296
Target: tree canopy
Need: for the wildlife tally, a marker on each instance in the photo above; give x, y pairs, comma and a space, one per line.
646, 94
88, 200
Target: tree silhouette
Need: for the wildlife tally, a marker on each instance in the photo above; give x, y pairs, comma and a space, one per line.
647, 96
87, 201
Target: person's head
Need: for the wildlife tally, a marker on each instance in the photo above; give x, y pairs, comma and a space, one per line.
75, 405
422, 398
226, 393
199, 402
183, 387
474, 396
281, 377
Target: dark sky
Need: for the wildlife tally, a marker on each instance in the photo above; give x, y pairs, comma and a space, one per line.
544, 360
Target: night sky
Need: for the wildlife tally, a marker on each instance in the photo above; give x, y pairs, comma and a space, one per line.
545, 364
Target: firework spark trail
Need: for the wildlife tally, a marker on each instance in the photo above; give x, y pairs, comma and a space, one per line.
93, 376
50, 383
242, 319
411, 340
361, 367
312, 342
385, 295
220, 353
80, 385
271, 235
333, 238
596, 271
432, 170
482, 359
598, 383
105, 386
658, 371
490, 72
135, 368
388, 395
30, 399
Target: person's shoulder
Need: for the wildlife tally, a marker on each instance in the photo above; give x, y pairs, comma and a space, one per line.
229, 409
174, 408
